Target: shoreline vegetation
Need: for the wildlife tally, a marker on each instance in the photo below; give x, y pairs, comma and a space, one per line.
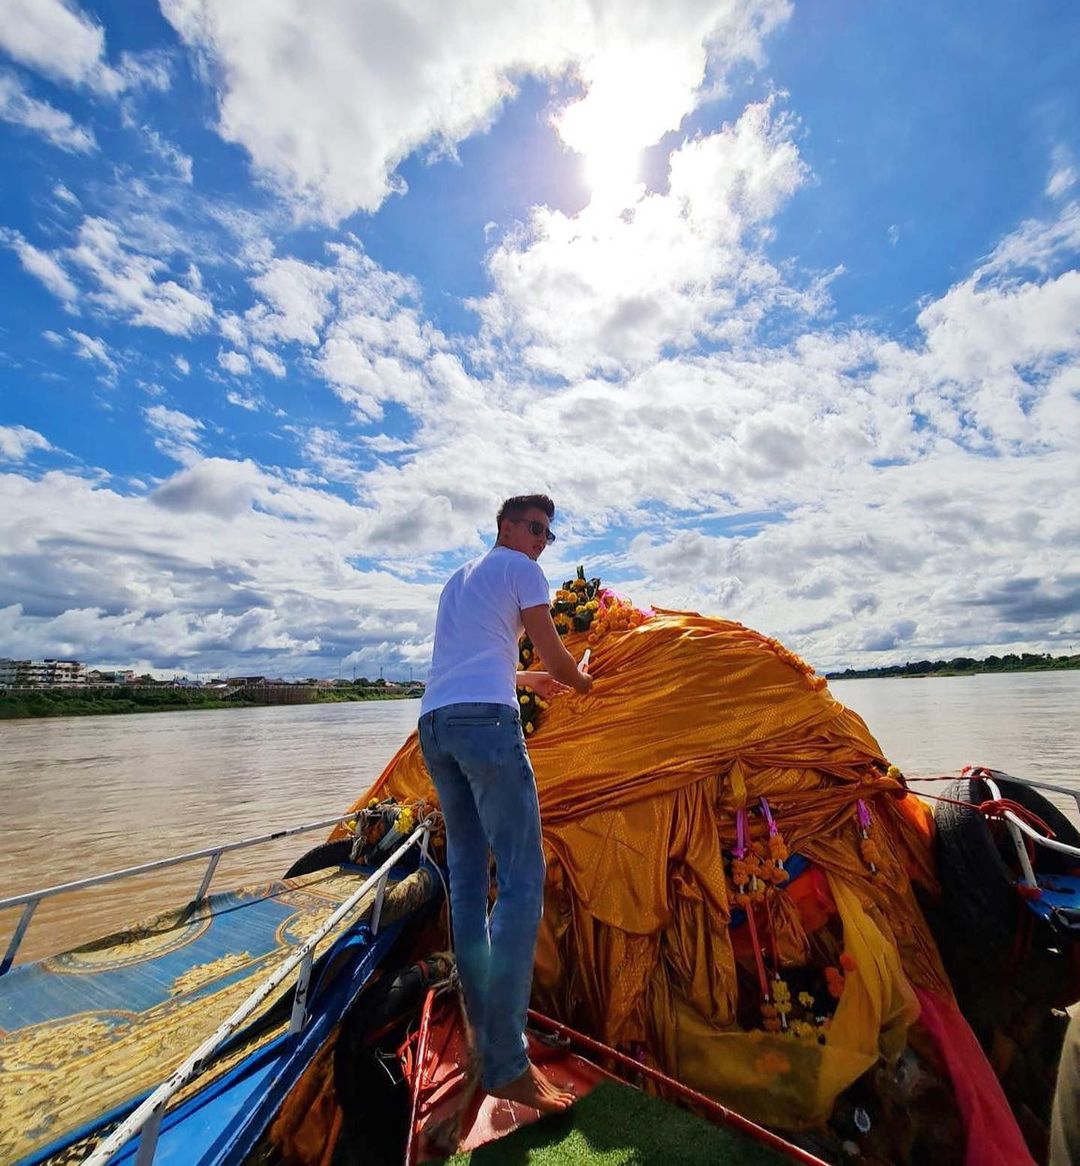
964, 666
67, 702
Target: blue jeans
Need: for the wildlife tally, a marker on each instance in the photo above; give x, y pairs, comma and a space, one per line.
476, 756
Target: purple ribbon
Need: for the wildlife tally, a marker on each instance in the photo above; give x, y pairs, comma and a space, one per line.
863, 812
740, 834
768, 815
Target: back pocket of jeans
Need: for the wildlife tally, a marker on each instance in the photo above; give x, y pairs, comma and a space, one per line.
472, 722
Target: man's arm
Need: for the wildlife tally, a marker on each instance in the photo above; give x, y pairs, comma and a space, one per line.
540, 628
542, 683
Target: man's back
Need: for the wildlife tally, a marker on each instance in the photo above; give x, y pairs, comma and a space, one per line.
477, 629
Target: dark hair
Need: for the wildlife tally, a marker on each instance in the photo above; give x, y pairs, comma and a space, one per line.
515, 507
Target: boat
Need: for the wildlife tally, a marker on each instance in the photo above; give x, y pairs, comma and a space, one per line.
755, 945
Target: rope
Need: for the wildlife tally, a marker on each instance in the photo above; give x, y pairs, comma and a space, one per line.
763, 978
995, 808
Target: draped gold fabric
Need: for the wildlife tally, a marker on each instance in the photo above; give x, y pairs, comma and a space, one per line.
689, 719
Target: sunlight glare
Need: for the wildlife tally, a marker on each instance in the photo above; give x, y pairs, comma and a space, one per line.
610, 126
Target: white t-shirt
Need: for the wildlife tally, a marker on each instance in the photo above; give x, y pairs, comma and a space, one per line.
477, 629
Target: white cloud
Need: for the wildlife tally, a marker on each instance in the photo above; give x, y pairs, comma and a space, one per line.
605, 293
224, 567
56, 126
180, 163
128, 283
243, 401
235, 362
151, 69
334, 458
384, 443
17, 442
377, 348
62, 194
93, 348
1063, 173
121, 280
176, 434
295, 302
57, 39
183, 365
42, 265
1039, 245
373, 86
268, 360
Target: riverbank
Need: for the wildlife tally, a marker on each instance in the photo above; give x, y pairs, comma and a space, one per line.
47, 702
963, 666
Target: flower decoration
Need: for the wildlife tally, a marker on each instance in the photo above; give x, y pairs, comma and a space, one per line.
581, 606
577, 603
813, 681
770, 1017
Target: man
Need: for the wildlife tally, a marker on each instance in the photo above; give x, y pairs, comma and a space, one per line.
471, 737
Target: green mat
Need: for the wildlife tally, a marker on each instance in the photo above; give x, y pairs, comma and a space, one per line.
618, 1126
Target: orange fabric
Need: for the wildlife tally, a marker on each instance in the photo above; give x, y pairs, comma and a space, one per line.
689, 719
306, 1128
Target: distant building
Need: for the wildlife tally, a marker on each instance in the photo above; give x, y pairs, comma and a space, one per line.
117, 676
41, 673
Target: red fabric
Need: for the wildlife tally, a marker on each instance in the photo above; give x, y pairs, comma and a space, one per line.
453, 1114
993, 1137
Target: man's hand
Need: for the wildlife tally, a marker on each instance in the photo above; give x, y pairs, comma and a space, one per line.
583, 670
557, 660
543, 684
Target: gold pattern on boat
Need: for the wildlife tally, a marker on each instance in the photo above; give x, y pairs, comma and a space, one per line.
209, 972
59, 1075
164, 933
48, 1045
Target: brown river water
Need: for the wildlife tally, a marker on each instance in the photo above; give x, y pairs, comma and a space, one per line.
85, 795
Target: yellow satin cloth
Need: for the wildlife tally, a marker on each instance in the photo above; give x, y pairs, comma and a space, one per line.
689, 719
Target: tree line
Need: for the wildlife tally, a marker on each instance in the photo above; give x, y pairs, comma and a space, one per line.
961, 665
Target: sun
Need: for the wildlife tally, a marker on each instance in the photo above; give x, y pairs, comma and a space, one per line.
612, 173
608, 138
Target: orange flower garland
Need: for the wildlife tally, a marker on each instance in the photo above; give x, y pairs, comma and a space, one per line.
581, 605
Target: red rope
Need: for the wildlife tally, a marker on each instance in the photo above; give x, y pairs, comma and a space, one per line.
763, 978
995, 808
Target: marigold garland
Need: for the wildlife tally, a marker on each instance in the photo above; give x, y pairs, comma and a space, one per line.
580, 605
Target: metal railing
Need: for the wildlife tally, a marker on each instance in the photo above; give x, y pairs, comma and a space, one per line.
1019, 829
30, 900
146, 1118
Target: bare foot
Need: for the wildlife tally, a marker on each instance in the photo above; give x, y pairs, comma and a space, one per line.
532, 1088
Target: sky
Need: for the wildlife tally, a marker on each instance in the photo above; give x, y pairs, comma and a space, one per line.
778, 301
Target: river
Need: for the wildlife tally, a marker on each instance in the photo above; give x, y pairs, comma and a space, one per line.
83, 795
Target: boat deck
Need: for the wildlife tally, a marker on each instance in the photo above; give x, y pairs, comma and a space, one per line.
85, 1033
619, 1126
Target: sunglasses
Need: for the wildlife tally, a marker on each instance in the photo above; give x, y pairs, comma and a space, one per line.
537, 529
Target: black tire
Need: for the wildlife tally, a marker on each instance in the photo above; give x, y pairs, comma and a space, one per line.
979, 898
374, 1099
320, 857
